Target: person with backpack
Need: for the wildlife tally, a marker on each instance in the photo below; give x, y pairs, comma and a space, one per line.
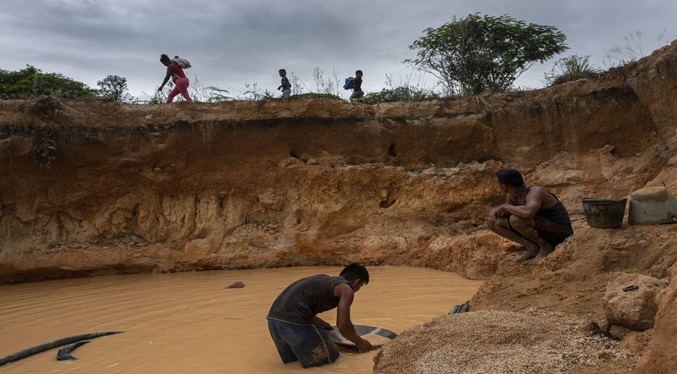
175, 72
356, 85
285, 86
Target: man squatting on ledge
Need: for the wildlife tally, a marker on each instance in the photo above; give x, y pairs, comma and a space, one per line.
531, 216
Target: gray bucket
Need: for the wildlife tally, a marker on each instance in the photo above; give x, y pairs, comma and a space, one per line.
604, 213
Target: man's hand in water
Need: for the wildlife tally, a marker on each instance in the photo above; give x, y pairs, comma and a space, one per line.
364, 346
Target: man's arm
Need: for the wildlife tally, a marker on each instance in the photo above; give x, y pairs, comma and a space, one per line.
345, 294
534, 200
500, 211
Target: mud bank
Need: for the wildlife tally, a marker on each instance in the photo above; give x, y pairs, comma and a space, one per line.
93, 188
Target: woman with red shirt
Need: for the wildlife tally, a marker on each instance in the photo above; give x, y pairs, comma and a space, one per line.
175, 72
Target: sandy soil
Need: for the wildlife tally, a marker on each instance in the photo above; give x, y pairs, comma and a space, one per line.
503, 342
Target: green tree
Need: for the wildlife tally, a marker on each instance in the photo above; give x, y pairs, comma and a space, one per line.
476, 55
114, 88
31, 82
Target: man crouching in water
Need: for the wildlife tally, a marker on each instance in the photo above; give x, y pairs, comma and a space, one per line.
531, 216
297, 331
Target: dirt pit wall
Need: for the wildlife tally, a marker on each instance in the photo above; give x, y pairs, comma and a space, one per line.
97, 188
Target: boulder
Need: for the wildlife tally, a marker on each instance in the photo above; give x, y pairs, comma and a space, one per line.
652, 205
630, 300
662, 355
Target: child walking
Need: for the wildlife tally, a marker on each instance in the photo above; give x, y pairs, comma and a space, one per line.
285, 86
356, 85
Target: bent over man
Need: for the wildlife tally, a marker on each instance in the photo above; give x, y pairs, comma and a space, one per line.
297, 331
531, 216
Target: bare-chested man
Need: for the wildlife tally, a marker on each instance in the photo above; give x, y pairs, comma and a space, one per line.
297, 331
531, 216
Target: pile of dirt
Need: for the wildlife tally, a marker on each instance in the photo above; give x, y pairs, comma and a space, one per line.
573, 279
503, 342
538, 318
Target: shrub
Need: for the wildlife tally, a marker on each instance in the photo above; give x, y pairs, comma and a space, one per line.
631, 51
571, 68
114, 88
402, 93
32, 83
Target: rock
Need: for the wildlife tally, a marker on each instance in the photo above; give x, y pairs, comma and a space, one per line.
662, 356
269, 200
236, 285
634, 309
619, 332
652, 205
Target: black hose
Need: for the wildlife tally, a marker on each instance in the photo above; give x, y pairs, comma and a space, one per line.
65, 352
53, 344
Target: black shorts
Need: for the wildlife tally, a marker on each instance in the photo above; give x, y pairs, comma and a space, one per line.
552, 232
308, 344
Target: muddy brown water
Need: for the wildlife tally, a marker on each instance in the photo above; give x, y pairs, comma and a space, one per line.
191, 323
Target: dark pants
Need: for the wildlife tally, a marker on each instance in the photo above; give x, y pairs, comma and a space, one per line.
552, 232
308, 344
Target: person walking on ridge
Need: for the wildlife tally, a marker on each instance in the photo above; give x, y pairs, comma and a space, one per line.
174, 72
356, 85
285, 86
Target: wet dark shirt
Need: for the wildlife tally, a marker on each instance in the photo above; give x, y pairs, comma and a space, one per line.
302, 300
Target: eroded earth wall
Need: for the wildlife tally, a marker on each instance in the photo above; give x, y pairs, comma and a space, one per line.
97, 188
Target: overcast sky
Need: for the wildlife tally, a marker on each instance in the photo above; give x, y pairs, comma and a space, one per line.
232, 43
